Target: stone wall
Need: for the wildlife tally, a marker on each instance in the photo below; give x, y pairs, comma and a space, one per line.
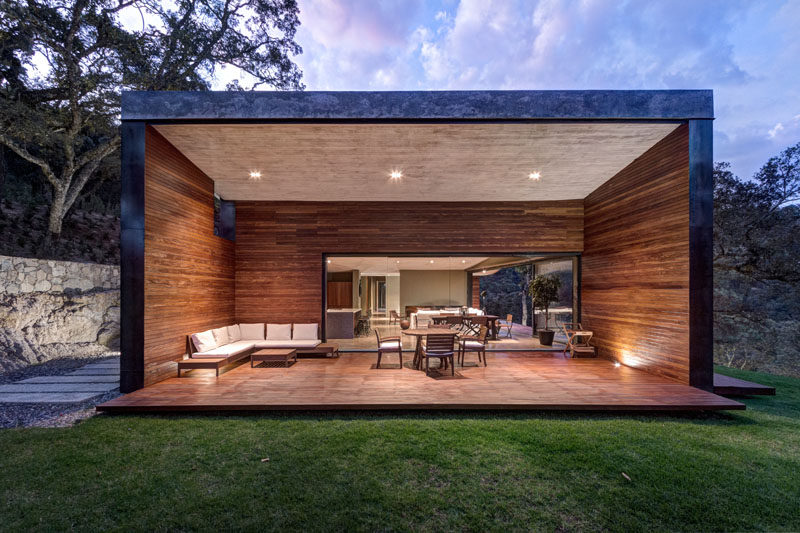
51, 309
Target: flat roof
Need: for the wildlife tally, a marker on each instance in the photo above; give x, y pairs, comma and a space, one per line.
202, 106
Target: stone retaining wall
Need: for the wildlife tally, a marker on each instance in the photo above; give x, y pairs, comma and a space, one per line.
51, 309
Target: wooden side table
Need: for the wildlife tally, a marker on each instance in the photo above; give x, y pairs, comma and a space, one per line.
274, 354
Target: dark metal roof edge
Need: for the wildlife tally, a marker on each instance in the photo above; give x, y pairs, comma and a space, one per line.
418, 105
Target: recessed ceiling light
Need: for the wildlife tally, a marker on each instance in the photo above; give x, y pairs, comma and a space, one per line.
484, 271
463, 260
396, 174
255, 175
329, 260
535, 176
431, 261
398, 262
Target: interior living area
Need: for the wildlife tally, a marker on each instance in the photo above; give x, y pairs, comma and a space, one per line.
384, 293
369, 250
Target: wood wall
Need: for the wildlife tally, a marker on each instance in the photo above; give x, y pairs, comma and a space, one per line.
189, 272
635, 290
279, 245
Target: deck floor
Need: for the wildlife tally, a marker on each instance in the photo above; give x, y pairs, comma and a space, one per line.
512, 380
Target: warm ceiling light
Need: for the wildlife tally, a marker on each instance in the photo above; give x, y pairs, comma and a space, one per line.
535, 176
329, 261
396, 174
484, 271
398, 262
617, 364
463, 260
255, 175
431, 261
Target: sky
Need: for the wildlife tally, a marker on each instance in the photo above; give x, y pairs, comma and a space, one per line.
747, 51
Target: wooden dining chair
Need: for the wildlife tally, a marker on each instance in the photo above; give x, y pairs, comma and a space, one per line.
394, 318
441, 347
389, 345
506, 325
577, 337
475, 343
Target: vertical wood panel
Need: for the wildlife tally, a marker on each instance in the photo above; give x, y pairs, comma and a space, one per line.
189, 272
635, 290
279, 245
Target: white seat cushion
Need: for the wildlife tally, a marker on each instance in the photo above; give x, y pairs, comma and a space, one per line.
272, 343
204, 341
252, 332
279, 332
221, 335
303, 332
472, 345
227, 350
390, 344
234, 333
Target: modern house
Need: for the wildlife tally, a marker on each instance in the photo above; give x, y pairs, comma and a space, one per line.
618, 181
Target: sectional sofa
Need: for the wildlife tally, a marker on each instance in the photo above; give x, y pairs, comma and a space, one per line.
240, 340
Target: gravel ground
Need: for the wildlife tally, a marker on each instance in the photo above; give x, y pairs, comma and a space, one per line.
54, 414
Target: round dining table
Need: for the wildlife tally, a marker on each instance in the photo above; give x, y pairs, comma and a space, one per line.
422, 332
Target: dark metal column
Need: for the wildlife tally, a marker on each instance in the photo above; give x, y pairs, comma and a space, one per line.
701, 259
132, 257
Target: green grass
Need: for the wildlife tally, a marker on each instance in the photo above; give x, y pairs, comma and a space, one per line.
737, 471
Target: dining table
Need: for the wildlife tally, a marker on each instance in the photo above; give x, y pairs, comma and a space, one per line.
490, 321
422, 332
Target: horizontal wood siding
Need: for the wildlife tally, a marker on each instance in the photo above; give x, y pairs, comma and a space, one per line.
279, 245
635, 290
189, 272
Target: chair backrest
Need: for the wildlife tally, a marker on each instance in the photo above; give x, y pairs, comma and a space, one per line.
378, 335
509, 318
438, 326
393, 314
439, 344
482, 333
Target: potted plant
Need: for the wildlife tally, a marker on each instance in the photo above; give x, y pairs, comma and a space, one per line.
544, 291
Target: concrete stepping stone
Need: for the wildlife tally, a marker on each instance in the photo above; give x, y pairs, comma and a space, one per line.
58, 387
73, 379
46, 397
95, 372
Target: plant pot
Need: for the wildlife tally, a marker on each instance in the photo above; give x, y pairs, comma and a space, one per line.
546, 337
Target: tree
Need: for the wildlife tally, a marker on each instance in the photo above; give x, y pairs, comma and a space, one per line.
544, 291
63, 65
524, 272
756, 268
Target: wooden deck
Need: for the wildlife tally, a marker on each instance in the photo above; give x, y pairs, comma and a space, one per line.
728, 386
511, 381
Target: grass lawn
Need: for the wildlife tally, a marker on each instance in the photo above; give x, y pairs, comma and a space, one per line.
737, 471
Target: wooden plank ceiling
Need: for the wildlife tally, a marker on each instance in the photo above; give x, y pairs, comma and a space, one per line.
439, 162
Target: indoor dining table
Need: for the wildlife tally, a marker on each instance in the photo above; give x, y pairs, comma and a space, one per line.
422, 332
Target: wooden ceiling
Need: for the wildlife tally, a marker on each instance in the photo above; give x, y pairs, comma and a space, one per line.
383, 265
439, 162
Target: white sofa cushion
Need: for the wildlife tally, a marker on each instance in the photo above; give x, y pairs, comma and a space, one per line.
304, 332
227, 350
234, 333
204, 341
287, 343
279, 332
472, 345
252, 332
221, 335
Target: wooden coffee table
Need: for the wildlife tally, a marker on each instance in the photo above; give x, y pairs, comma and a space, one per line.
274, 354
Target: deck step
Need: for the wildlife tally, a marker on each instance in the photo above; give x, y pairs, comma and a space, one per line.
728, 386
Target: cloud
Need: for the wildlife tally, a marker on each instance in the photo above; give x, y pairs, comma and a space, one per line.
745, 51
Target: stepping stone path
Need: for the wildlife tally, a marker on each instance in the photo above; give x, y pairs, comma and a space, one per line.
93, 379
